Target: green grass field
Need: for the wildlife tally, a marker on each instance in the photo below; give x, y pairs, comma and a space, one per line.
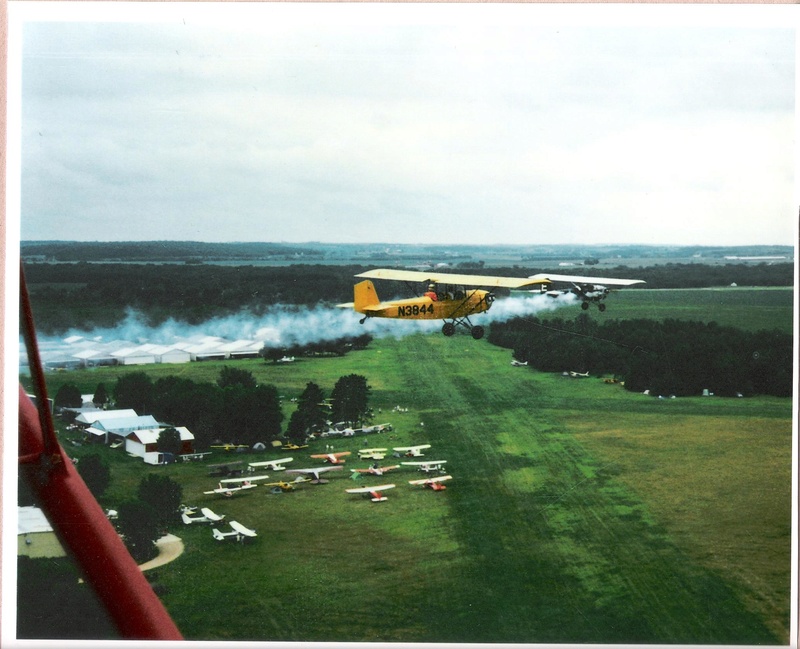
750, 308
577, 512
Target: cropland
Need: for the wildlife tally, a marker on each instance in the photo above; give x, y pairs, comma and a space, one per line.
577, 512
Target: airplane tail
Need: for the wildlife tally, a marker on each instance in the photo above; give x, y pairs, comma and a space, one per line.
365, 296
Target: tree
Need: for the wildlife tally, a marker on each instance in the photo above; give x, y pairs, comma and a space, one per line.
231, 376
163, 494
310, 415
350, 399
134, 391
95, 473
169, 441
139, 526
68, 396
100, 397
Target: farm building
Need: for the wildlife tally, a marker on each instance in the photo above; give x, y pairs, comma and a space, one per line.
139, 355
35, 535
144, 444
117, 428
89, 416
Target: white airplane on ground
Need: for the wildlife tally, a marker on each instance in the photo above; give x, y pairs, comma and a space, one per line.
576, 375
229, 486
208, 516
517, 363
372, 453
316, 472
275, 465
374, 493
433, 483
427, 467
376, 470
333, 458
239, 532
412, 451
588, 289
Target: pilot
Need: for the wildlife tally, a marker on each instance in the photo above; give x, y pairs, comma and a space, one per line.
431, 292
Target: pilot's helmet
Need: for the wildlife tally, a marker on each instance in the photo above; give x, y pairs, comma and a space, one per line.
431, 287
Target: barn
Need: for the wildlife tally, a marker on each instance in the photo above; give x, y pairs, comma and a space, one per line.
144, 443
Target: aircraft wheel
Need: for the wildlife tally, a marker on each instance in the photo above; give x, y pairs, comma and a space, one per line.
448, 328
584, 305
477, 332
602, 307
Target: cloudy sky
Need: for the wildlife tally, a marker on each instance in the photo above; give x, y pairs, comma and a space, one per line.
405, 123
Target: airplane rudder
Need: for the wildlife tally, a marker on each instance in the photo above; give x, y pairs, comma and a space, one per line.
365, 295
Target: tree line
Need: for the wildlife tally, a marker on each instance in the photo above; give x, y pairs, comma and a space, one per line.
672, 357
85, 296
235, 409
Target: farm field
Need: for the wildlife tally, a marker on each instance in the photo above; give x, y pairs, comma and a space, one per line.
748, 308
577, 512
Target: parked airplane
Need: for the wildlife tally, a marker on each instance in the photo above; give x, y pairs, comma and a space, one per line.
293, 447
450, 297
576, 375
285, 487
377, 470
316, 472
229, 486
208, 516
432, 483
229, 447
588, 289
239, 532
412, 451
333, 458
374, 493
517, 363
427, 467
275, 465
372, 453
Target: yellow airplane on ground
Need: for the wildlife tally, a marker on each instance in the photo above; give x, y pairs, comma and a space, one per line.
450, 297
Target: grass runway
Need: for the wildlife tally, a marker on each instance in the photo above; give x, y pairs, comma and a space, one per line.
577, 513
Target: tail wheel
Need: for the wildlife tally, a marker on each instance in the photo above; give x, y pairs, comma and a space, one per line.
448, 328
477, 332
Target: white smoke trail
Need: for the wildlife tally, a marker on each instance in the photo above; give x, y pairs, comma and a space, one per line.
285, 325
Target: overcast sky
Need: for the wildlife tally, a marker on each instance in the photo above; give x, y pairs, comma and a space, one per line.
406, 124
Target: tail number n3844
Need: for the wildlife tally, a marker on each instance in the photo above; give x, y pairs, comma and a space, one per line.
414, 310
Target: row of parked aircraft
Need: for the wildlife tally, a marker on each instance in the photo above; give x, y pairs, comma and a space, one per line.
238, 531
229, 486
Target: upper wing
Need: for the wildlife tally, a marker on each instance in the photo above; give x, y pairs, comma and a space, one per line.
450, 278
366, 490
210, 515
578, 279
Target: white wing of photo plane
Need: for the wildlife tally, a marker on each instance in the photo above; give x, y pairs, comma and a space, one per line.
426, 466
316, 472
275, 465
374, 492
588, 289
414, 451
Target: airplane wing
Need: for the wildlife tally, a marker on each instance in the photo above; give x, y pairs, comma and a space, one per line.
367, 490
241, 529
429, 463
210, 515
451, 278
441, 478
578, 279
411, 448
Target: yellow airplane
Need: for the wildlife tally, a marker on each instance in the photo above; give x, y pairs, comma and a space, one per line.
450, 297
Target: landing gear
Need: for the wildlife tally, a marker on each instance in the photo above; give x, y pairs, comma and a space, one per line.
448, 329
477, 332
585, 306
601, 306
